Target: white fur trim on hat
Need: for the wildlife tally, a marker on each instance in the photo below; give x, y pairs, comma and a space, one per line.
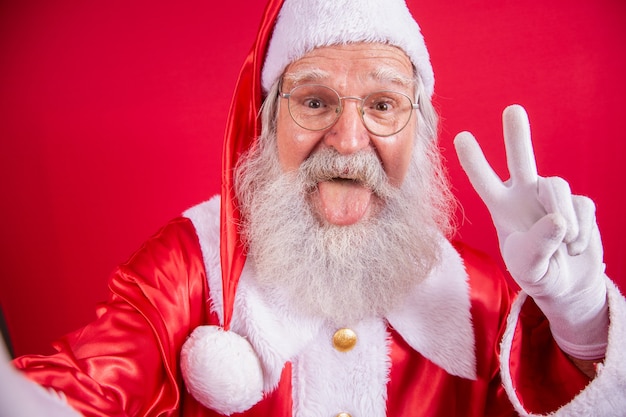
303, 25
221, 370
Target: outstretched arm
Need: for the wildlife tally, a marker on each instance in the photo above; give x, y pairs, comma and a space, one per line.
20, 397
548, 238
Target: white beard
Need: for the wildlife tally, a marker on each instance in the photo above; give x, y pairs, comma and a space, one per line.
338, 273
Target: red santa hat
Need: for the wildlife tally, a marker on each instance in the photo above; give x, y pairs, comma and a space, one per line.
289, 29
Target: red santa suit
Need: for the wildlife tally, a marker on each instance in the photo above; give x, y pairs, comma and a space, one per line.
459, 345
437, 355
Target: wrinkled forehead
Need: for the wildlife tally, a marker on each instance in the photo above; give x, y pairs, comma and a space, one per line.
364, 63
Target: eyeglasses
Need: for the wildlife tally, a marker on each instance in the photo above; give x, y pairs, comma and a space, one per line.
318, 107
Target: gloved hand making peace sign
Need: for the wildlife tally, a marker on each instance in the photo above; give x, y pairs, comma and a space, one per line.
548, 238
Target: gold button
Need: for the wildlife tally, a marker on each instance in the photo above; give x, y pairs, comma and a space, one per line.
343, 415
344, 340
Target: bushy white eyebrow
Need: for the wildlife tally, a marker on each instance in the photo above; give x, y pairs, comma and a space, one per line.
311, 75
391, 75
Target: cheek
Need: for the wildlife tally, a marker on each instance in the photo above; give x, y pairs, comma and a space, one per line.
294, 143
395, 153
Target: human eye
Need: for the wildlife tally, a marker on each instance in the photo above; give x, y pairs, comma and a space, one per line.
314, 99
382, 103
313, 103
382, 106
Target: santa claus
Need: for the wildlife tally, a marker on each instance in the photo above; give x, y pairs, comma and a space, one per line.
322, 282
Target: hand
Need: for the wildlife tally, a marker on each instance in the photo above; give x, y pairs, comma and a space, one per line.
20, 397
548, 237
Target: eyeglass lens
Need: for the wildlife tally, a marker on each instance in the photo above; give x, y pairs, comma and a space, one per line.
317, 107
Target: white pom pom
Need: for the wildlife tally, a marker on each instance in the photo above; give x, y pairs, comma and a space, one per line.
221, 370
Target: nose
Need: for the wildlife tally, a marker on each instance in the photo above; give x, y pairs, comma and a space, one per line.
348, 135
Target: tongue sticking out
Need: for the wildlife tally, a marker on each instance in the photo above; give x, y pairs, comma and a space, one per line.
343, 202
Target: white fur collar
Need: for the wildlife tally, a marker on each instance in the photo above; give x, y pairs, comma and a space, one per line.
435, 321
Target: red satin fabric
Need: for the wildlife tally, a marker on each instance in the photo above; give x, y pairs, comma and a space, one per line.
125, 363
547, 367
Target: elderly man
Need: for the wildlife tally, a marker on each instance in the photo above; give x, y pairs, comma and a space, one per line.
322, 282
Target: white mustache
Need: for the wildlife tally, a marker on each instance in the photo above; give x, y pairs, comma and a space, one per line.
363, 167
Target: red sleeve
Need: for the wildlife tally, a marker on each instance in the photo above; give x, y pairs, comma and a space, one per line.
544, 378
125, 362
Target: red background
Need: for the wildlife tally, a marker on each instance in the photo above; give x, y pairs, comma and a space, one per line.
112, 114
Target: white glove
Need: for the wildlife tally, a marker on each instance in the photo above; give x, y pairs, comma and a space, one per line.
20, 397
548, 238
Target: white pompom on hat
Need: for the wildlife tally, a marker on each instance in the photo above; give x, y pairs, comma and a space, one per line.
221, 370
306, 24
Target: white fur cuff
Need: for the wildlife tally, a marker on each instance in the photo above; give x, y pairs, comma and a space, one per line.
604, 396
